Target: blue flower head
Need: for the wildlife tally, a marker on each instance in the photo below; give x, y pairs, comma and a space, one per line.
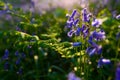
16, 53
118, 16
93, 49
76, 22
23, 55
85, 15
6, 66
17, 61
77, 33
102, 62
75, 44
98, 35
95, 23
6, 54
118, 36
20, 71
70, 33
73, 13
90, 51
117, 74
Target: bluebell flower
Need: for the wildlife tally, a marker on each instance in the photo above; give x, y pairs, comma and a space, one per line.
77, 33
72, 76
95, 23
93, 49
98, 35
93, 44
118, 16
117, 74
23, 55
76, 22
6, 54
75, 44
20, 71
32, 3
85, 32
90, 51
69, 24
6, 66
17, 61
102, 62
70, 33
83, 27
84, 15
90, 38
73, 13
118, 36
16, 53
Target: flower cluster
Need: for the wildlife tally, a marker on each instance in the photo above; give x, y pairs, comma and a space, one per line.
6, 57
90, 30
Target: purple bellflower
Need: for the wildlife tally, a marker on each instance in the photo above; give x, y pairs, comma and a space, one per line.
95, 23
17, 61
20, 71
6, 54
102, 62
98, 35
75, 44
118, 36
72, 76
23, 55
85, 15
6, 66
118, 16
93, 49
117, 74
70, 33
16, 53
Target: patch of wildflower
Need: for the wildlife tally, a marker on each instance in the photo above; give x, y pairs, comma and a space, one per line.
89, 25
17, 61
72, 76
90, 32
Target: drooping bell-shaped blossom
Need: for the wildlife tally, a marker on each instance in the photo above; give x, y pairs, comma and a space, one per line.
85, 32
95, 23
17, 61
23, 55
71, 19
117, 73
20, 71
70, 33
118, 36
76, 22
6, 54
75, 44
72, 76
93, 48
6, 66
85, 15
17, 53
102, 62
118, 16
98, 35
83, 27
77, 32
